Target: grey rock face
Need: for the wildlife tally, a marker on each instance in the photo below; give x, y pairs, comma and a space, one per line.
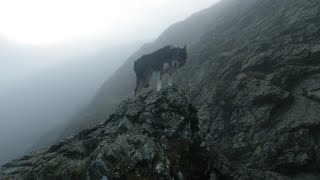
256, 83
153, 137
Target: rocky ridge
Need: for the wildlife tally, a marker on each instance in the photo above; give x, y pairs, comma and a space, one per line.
153, 137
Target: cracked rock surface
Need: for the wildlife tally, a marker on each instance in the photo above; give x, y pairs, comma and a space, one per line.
155, 136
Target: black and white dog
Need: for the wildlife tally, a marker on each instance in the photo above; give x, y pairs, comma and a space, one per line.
165, 60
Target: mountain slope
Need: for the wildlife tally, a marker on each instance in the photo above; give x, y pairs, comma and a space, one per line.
256, 83
122, 83
253, 72
152, 137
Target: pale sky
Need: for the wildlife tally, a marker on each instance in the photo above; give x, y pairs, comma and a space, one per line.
46, 22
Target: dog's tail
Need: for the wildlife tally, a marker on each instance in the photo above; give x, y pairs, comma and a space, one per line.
137, 84
139, 76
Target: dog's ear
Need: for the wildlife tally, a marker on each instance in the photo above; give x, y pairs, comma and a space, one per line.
185, 47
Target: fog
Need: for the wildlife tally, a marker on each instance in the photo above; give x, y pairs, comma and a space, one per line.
49, 73
36, 97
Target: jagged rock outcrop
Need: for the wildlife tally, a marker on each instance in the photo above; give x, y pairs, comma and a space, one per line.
153, 137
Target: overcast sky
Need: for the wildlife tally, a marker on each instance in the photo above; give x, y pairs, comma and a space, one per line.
47, 22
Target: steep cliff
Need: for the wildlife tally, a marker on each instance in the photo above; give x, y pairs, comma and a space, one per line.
253, 72
255, 80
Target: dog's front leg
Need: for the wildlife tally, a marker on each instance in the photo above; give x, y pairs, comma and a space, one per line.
159, 81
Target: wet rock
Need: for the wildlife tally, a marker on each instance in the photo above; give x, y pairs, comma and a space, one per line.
255, 81
160, 140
